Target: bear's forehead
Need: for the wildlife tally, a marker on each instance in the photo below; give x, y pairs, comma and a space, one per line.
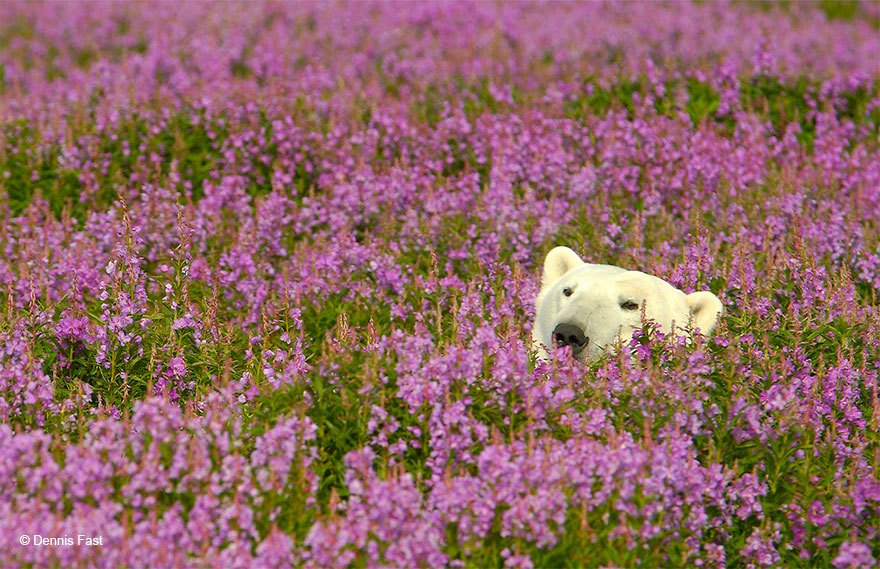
609, 275
619, 283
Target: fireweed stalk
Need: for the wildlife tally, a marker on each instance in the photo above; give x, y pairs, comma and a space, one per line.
267, 275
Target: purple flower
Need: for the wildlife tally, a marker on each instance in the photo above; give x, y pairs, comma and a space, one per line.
854, 554
177, 367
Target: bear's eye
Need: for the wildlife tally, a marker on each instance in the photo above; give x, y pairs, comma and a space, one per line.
629, 305
566, 291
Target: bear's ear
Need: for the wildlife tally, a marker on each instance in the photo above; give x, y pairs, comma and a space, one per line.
705, 308
558, 262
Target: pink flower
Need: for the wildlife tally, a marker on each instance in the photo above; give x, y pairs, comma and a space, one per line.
177, 367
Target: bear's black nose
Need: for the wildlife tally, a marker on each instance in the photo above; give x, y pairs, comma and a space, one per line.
570, 335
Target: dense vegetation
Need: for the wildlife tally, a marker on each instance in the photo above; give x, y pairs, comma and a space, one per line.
267, 276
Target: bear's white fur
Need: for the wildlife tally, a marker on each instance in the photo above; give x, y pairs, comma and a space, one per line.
597, 304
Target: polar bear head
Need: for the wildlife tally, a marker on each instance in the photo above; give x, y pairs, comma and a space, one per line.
588, 306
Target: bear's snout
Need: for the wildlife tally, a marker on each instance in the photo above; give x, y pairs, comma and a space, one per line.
570, 335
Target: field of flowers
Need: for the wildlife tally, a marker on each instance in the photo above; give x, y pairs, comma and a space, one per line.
267, 278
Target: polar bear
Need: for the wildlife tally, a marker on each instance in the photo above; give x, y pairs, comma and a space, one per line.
589, 306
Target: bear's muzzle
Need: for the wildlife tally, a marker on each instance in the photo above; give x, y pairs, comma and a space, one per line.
570, 335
